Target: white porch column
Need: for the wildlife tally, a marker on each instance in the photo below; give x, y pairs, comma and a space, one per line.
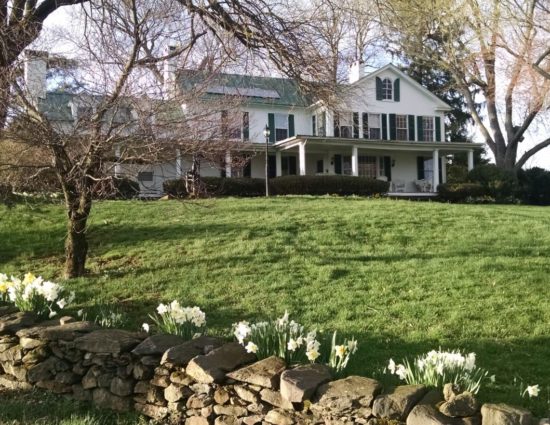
435, 170
178, 163
118, 168
278, 164
302, 158
355, 161
228, 164
443, 169
329, 124
470, 159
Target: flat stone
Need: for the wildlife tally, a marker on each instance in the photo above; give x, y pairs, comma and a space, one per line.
245, 394
141, 371
157, 413
398, 403
253, 420
229, 410
11, 323
43, 371
426, 413
80, 394
67, 378
7, 309
105, 399
157, 345
19, 372
504, 414
55, 331
142, 387
54, 386
198, 401
12, 355
122, 387
11, 383
275, 399
196, 420
344, 395
181, 355
108, 341
227, 420
35, 356
299, 384
450, 391
221, 396
461, 405
279, 417
174, 393
30, 343
265, 373
213, 366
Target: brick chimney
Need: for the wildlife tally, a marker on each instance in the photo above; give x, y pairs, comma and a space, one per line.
169, 74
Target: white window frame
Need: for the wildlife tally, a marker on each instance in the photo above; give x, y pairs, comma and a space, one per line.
281, 123
427, 132
406, 128
362, 166
371, 127
387, 89
345, 116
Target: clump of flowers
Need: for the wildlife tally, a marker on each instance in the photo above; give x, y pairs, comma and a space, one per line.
437, 368
531, 391
289, 340
35, 294
187, 322
5, 284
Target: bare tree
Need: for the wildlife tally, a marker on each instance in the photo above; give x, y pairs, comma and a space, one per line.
495, 52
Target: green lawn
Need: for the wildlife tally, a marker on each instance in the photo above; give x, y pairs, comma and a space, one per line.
403, 277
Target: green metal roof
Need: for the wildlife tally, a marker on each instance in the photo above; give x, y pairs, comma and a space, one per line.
56, 106
253, 90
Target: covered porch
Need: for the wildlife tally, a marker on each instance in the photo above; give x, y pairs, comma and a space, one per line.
410, 167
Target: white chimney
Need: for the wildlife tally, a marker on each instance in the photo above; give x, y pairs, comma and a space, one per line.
36, 66
357, 71
169, 73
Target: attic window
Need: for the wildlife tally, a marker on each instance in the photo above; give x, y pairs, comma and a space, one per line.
387, 89
244, 91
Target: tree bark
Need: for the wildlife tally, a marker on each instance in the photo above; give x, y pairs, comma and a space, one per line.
76, 246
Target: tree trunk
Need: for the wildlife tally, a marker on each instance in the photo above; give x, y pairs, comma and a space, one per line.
76, 245
4, 95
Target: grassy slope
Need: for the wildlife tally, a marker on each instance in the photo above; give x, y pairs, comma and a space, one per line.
402, 277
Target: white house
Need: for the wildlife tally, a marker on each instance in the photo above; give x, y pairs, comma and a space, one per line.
385, 126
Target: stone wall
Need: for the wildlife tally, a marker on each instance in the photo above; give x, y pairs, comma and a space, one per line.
209, 381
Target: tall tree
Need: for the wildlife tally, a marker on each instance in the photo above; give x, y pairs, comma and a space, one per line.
488, 48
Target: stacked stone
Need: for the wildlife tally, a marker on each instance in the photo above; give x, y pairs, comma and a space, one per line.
208, 382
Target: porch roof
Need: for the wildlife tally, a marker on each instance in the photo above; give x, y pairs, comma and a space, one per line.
397, 145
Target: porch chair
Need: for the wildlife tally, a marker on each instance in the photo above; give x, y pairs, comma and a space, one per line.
398, 186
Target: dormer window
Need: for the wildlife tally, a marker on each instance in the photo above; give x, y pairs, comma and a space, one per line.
387, 89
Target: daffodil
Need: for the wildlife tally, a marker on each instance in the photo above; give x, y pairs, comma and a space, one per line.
532, 391
312, 355
340, 350
251, 347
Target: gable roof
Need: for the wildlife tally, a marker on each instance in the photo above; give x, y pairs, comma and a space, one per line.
442, 105
255, 90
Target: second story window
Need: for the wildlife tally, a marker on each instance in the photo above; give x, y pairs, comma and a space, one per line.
281, 127
428, 128
374, 127
345, 124
387, 89
401, 128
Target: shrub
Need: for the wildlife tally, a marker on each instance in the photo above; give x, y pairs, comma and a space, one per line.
535, 186
116, 188
461, 192
234, 186
500, 184
437, 368
331, 185
187, 322
175, 188
457, 173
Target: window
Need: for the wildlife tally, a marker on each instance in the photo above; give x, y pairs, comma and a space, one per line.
288, 165
428, 128
84, 113
428, 169
367, 166
145, 176
320, 166
387, 89
401, 128
281, 127
374, 126
246, 126
313, 125
345, 125
231, 123
346, 165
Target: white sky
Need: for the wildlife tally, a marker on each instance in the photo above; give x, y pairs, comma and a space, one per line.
61, 20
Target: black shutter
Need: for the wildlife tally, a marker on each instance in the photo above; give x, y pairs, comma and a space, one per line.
292, 165
396, 91
384, 119
378, 88
387, 167
420, 167
365, 125
356, 125
271, 124
271, 167
336, 125
420, 129
337, 164
246, 126
291, 131
411, 128
313, 125
247, 171
393, 129
437, 129
440, 173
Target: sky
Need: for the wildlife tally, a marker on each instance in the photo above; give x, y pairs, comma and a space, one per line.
61, 19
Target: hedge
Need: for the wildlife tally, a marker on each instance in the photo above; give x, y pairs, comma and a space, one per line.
463, 192
535, 186
116, 188
500, 184
286, 185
